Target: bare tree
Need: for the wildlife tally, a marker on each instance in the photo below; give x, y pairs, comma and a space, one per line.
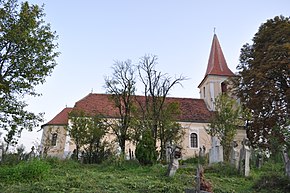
156, 88
122, 87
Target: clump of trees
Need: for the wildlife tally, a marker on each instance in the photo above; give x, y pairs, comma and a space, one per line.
262, 84
27, 57
227, 118
138, 115
87, 132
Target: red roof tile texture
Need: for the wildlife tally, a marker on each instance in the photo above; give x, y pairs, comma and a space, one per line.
61, 118
217, 64
191, 110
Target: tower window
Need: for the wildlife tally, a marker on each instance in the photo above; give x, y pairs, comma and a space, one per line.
224, 87
193, 140
53, 139
203, 92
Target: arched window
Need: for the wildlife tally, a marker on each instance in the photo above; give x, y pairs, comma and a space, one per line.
193, 140
53, 139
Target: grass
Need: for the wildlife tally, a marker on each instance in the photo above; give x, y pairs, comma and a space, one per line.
129, 176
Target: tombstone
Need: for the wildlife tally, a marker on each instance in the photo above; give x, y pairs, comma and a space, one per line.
216, 151
174, 164
202, 151
168, 152
245, 153
1, 148
259, 160
235, 155
31, 154
201, 184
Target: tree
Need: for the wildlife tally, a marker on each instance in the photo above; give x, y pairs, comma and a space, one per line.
226, 121
146, 150
27, 57
87, 133
156, 88
263, 83
122, 87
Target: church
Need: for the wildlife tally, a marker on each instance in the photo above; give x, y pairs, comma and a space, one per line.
194, 117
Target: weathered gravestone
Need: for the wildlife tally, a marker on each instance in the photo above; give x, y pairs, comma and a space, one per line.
235, 155
174, 164
216, 151
1, 148
202, 151
245, 153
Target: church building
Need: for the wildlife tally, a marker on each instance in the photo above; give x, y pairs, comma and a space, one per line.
194, 117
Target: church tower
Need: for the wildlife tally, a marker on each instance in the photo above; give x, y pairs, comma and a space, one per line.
217, 72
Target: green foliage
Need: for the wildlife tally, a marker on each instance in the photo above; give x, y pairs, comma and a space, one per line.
33, 170
130, 176
263, 84
272, 182
87, 132
222, 170
27, 57
225, 122
146, 150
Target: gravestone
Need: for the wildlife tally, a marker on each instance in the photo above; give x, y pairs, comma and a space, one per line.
245, 153
259, 160
1, 148
32, 153
174, 163
168, 152
235, 155
202, 151
216, 151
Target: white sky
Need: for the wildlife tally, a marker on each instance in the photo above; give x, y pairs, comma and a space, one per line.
95, 33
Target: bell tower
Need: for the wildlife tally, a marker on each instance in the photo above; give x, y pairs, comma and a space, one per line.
217, 72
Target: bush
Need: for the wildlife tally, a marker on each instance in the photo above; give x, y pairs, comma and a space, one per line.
145, 150
222, 169
273, 182
33, 170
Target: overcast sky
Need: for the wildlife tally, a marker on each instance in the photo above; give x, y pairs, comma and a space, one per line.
95, 33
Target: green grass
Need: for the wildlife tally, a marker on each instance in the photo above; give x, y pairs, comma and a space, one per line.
67, 176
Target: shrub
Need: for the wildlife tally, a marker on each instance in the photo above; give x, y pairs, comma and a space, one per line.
145, 150
33, 170
222, 169
272, 182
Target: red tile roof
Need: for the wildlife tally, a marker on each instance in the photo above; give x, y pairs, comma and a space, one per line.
192, 110
217, 64
61, 118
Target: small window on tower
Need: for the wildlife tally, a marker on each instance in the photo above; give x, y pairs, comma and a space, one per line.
203, 92
53, 139
224, 87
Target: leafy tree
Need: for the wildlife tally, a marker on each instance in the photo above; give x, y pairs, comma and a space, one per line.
87, 133
156, 88
263, 84
77, 130
146, 150
226, 121
27, 57
169, 130
122, 87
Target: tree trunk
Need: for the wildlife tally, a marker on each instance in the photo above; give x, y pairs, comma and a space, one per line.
286, 162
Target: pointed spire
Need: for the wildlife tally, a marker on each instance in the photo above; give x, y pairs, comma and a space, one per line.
217, 64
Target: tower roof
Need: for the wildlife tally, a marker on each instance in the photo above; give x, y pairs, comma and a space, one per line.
217, 64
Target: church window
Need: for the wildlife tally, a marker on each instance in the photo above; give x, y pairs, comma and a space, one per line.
53, 139
193, 140
203, 92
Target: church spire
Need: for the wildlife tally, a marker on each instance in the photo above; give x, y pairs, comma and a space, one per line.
217, 64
